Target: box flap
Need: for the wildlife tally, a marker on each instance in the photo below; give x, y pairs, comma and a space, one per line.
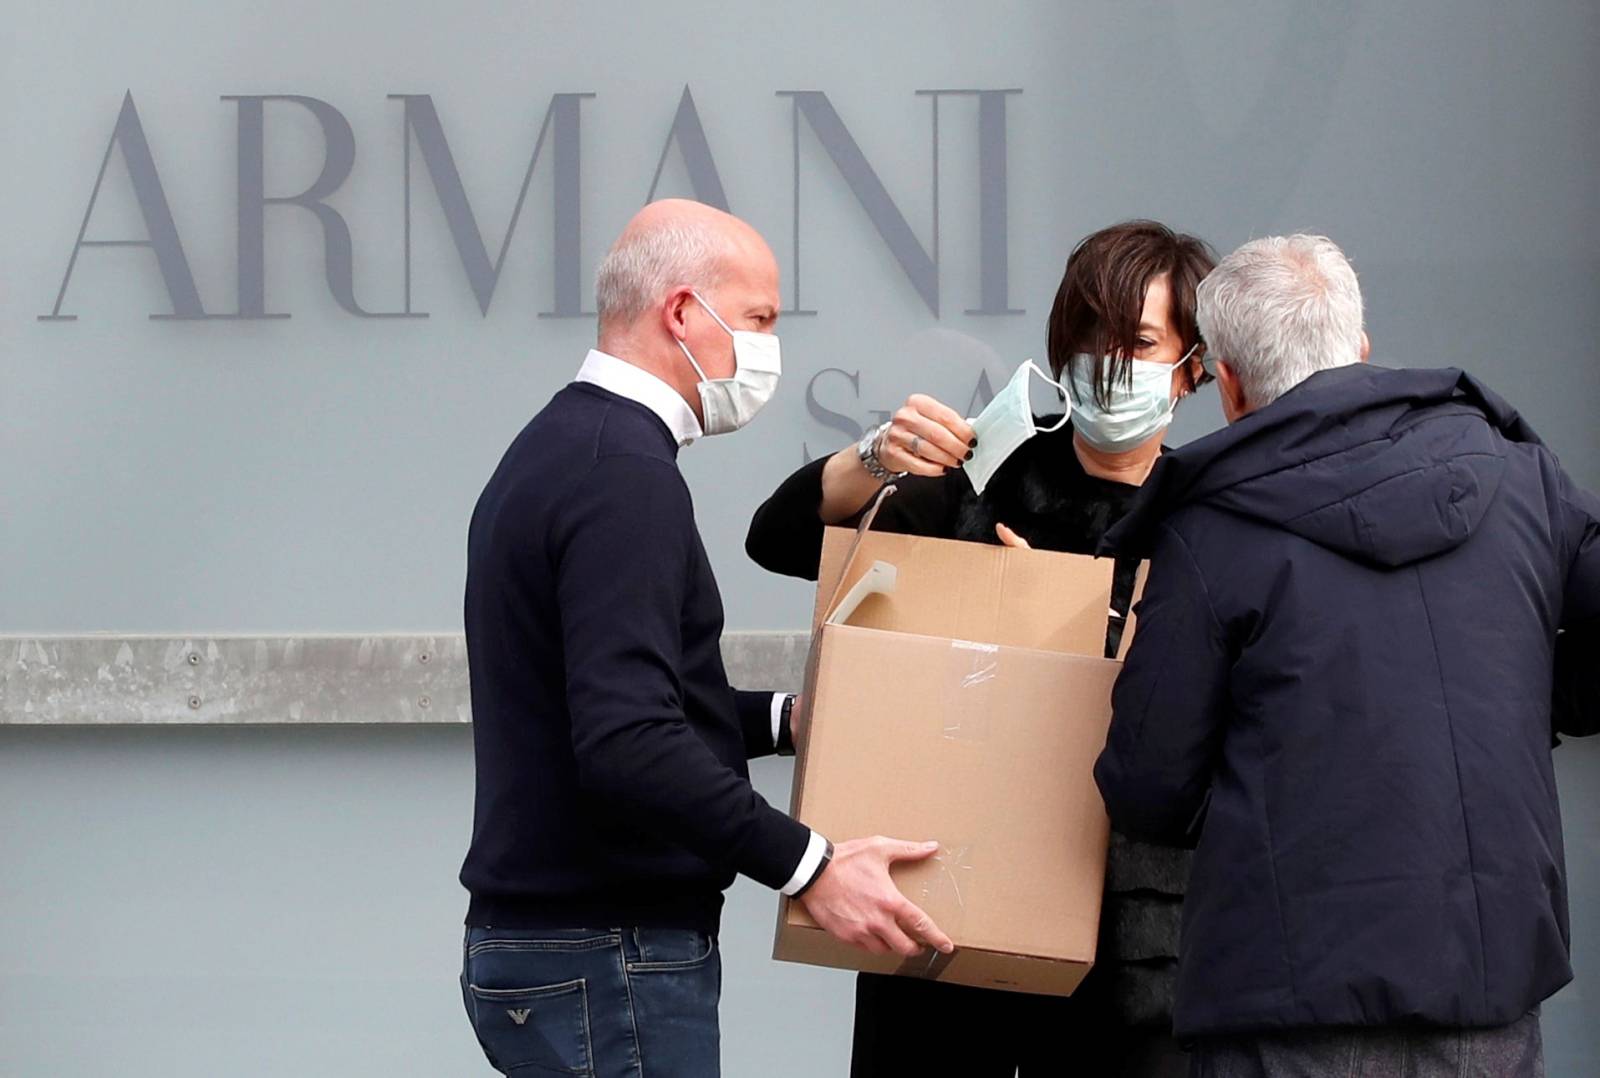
972, 591
831, 586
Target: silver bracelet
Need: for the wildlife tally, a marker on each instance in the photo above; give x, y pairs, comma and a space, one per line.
867, 450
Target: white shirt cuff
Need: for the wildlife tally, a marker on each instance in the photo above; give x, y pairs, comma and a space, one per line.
808, 864
777, 715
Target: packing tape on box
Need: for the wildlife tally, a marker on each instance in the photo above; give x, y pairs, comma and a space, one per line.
970, 721
954, 862
929, 966
985, 661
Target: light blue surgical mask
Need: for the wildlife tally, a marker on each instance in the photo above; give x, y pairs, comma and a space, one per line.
1135, 412
1005, 425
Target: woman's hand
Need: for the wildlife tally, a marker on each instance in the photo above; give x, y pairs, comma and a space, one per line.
926, 438
1011, 538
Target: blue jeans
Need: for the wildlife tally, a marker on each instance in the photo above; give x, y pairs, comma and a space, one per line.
602, 1002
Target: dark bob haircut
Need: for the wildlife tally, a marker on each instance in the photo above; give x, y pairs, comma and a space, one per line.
1101, 298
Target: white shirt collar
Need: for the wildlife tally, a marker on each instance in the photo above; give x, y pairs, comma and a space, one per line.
625, 380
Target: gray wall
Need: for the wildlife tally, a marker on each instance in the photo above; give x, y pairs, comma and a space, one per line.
282, 900
284, 475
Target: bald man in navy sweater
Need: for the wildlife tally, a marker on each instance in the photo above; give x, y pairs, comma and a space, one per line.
614, 803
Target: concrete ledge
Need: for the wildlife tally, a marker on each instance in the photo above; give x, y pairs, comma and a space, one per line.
232, 680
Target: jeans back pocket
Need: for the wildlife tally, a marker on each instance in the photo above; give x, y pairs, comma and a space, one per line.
535, 1030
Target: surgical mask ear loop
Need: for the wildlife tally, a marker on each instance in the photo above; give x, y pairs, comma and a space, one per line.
704, 306
1061, 391
690, 356
1194, 382
715, 317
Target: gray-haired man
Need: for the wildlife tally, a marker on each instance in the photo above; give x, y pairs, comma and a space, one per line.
1342, 688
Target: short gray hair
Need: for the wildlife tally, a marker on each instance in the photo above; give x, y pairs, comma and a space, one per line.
647, 263
1280, 309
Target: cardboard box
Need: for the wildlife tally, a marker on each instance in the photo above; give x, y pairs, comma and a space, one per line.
957, 691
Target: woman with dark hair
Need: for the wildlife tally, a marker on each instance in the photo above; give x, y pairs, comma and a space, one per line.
1124, 347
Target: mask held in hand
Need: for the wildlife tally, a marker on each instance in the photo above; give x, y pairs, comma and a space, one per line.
1005, 424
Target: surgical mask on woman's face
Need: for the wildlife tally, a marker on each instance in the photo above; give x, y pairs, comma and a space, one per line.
1135, 412
1003, 426
727, 404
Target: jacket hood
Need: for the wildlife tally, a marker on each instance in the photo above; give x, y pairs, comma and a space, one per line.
1384, 466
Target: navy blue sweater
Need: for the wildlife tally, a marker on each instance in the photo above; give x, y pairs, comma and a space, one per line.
612, 787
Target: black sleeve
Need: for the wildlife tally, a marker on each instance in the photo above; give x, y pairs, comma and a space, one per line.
1577, 683
755, 719
1581, 510
786, 532
1577, 667
623, 552
1167, 706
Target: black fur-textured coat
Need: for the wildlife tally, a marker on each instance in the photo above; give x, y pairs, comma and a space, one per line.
1044, 495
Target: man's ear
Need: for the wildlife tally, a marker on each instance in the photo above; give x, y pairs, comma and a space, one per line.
675, 310
1234, 404
1366, 346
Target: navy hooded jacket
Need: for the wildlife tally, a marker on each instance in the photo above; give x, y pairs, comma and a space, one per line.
1342, 683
